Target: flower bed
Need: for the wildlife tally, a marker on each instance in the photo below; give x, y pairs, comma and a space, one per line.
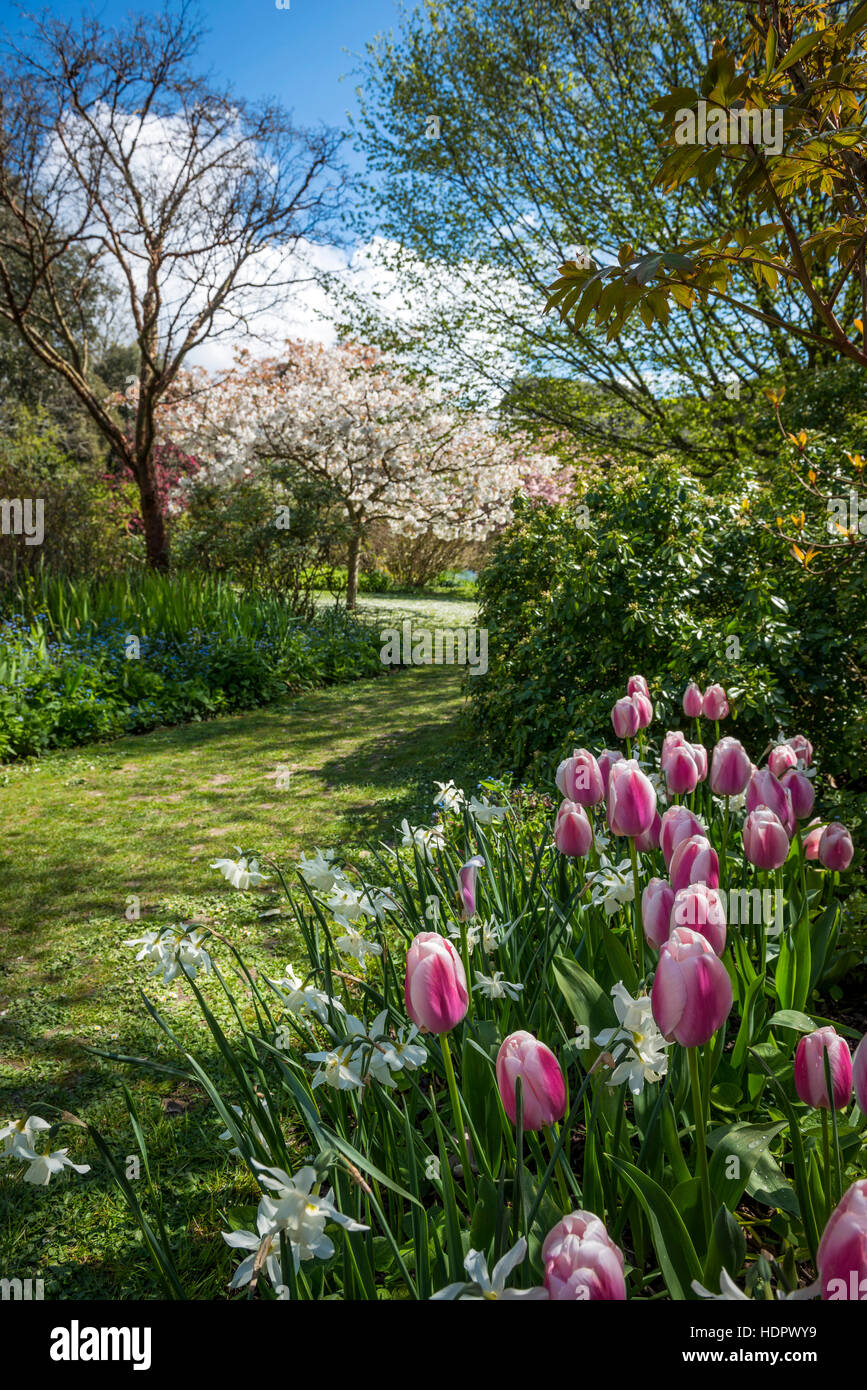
586, 1066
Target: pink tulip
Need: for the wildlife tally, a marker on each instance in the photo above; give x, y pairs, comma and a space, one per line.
579, 779
644, 708
573, 833
730, 768
678, 823
803, 747
649, 839
716, 706
702, 909
582, 1262
781, 758
467, 886
766, 844
435, 986
657, 900
835, 847
631, 799
692, 993
624, 717
637, 685
693, 701
694, 861
699, 752
765, 789
673, 739
681, 771
810, 1069
812, 840
859, 1075
544, 1090
842, 1254
606, 760
800, 789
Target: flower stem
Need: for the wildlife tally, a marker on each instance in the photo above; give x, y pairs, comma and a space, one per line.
458, 1116
638, 945
558, 1171
700, 1139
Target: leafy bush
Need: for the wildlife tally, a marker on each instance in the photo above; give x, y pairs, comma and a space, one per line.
656, 574
85, 661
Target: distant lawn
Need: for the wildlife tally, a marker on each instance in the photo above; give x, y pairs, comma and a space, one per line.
88, 829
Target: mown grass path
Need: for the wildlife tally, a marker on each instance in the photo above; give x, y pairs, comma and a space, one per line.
87, 831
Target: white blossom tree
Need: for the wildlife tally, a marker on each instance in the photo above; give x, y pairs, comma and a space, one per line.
387, 447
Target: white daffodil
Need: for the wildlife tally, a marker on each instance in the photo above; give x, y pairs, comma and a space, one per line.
347, 906
490, 1287
601, 843
388, 1055
485, 813
473, 930
491, 932
337, 1068
300, 1213
450, 797
304, 999
319, 870
19, 1136
352, 943
240, 873
379, 902
730, 1293
249, 1240
495, 987
43, 1166
612, 885
427, 838
180, 953
637, 1046
151, 945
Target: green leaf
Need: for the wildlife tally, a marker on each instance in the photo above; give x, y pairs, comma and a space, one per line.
674, 1249
585, 999
744, 1143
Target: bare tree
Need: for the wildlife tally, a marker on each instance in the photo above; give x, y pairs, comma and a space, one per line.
123, 171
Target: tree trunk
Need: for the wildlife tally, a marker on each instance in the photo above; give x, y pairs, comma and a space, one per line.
156, 535
352, 569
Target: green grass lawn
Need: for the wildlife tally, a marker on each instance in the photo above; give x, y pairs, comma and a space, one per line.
86, 831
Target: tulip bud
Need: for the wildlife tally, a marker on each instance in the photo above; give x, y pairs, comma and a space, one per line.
694, 861
673, 739
649, 839
681, 771
543, 1088
637, 685
631, 799
803, 748
835, 847
702, 909
781, 758
467, 886
644, 708
582, 1262
435, 986
800, 789
657, 900
730, 768
716, 706
810, 1069
842, 1254
573, 833
692, 993
699, 752
678, 823
812, 840
766, 844
765, 789
693, 701
606, 761
859, 1075
624, 717
579, 779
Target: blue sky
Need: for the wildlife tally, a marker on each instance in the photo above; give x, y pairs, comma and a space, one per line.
297, 55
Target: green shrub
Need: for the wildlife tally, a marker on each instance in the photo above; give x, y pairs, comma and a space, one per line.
657, 576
